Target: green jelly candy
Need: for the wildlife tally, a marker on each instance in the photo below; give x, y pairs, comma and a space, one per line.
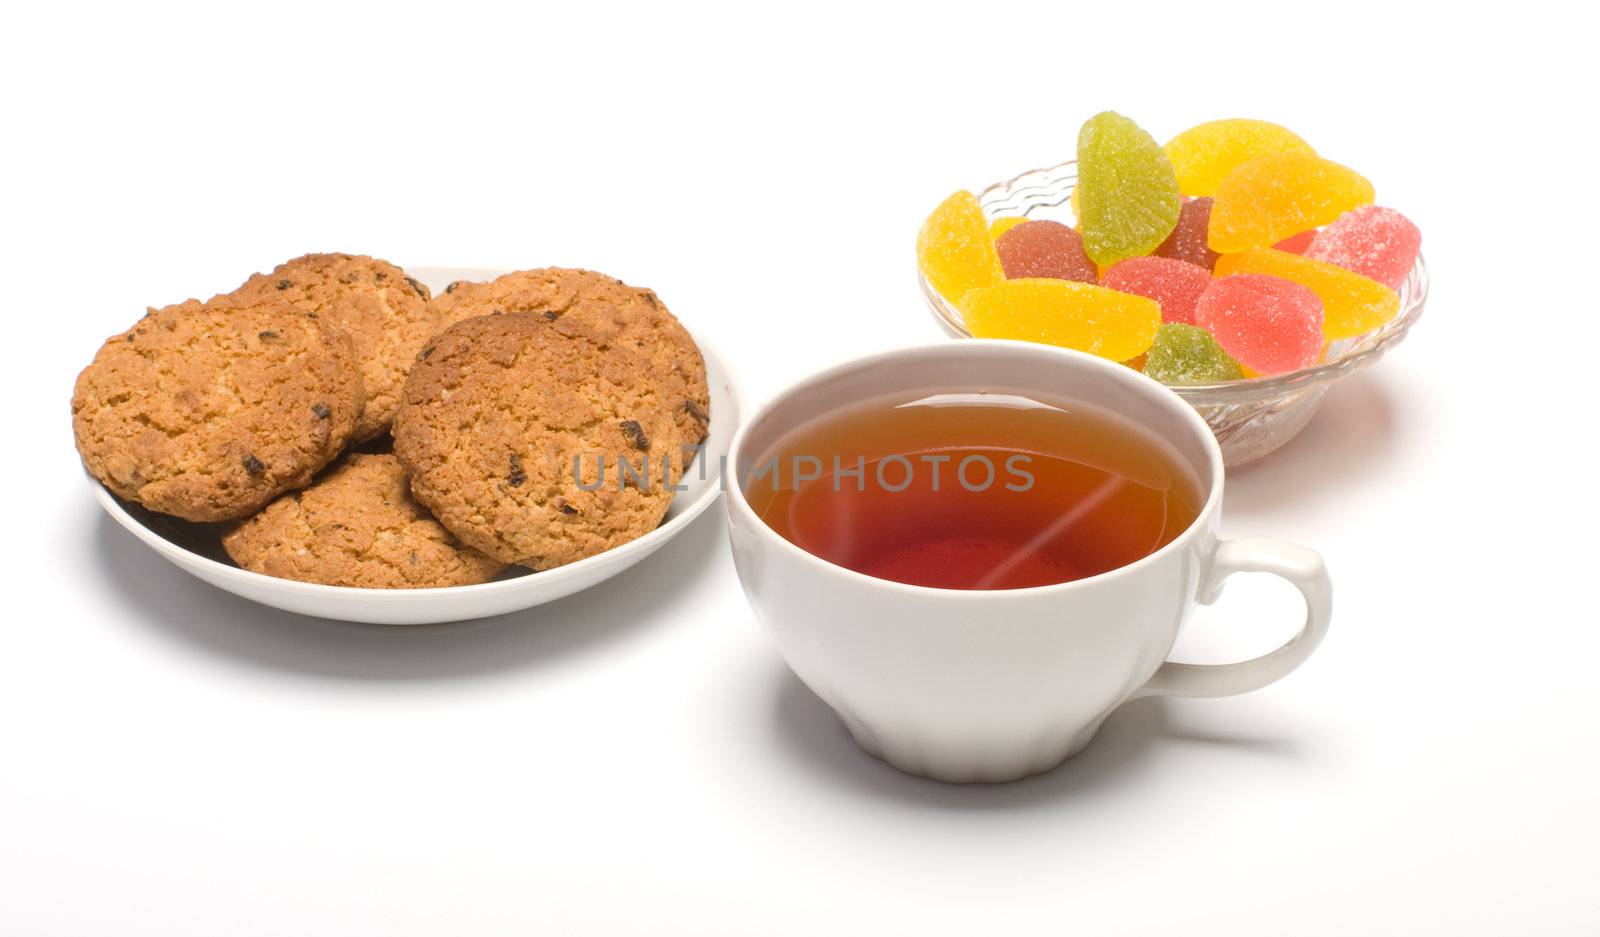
1187, 354
1128, 200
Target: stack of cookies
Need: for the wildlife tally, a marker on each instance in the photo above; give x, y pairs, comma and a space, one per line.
533, 420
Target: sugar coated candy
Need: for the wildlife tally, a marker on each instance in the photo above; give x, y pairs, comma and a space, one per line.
1000, 226
1174, 284
1203, 155
954, 250
1272, 197
1045, 249
1127, 192
1376, 242
1295, 244
1089, 318
1187, 354
1187, 242
1351, 304
1267, 324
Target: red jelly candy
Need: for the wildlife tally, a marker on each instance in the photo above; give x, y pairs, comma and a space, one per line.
1045, 249
1296, 243
1187, 242
1267, 324
1378, 243
1174, 284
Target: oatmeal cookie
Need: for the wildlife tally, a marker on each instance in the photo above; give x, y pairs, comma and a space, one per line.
389, 316
356, 525
207, 411
516, 427
615, 310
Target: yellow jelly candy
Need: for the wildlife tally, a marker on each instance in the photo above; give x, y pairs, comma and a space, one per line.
1272, 197
1204, 155
1351, 304
1089, 318
954, 250
1000, 226
1128, 198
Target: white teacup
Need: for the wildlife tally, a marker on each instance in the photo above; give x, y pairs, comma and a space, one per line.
970, 686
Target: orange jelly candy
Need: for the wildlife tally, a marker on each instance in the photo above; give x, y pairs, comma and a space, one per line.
1114, 325
955, 251
1000, 226
1351, 304
1272, 197
1204, 155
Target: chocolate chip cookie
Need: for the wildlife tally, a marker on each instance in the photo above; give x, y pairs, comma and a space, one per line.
389, 316
357, 525
207, 411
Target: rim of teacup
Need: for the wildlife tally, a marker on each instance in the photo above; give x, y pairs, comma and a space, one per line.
1115, 371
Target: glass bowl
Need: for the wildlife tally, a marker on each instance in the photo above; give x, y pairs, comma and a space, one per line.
1250, 417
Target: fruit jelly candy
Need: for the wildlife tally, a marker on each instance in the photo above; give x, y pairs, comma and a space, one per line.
954, 250
1128, 198
1378, 243
1296, 244
1045, 249
1187, 354
1172, 283
1187, 241
1203, 155
1000, 226
1267, 324
1271, 197
1089, 318
1351, 304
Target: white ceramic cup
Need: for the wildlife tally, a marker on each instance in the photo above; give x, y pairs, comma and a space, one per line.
982, 686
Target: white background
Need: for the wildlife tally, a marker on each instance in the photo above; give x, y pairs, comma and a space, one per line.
636, 759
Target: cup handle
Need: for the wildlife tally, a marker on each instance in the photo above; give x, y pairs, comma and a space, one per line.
1303, 568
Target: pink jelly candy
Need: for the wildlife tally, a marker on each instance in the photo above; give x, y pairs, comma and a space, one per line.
1174, 284
1187, 242
1296, 243
1378, 243
1267, 324
1045, 249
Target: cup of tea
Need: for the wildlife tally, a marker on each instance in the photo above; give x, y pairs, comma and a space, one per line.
975, 552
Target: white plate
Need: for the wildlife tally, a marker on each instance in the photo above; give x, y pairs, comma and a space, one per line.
196, 549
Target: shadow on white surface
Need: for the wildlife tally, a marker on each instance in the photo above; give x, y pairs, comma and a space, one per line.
176, 606
1351, 438
1126, 745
